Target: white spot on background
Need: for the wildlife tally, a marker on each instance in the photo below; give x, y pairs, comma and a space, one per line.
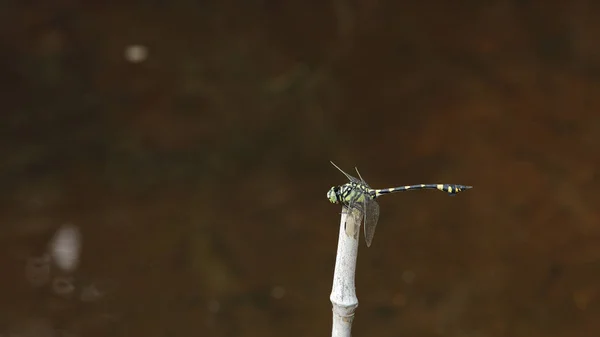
136, 53
65, 247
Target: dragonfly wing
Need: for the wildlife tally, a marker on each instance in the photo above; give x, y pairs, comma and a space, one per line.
371, 216
351, 178
359, 206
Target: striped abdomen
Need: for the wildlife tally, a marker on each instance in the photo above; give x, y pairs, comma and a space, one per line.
448, 188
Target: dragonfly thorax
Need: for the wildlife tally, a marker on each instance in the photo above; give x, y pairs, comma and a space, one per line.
348, 193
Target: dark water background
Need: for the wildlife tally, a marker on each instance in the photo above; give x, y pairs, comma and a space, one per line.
198, 176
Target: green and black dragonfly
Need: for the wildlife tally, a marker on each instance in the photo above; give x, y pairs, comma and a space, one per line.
357, 194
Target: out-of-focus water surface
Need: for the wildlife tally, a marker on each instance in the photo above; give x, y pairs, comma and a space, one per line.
164, 166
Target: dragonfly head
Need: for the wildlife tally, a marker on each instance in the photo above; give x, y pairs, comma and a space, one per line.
332, 195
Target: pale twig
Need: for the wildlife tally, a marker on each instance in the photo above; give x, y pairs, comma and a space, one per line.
343, 294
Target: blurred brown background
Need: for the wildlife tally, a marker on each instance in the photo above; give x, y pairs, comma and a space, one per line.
190, 143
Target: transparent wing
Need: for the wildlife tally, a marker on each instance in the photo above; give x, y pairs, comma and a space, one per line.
359, 218
370, 211
371, 215
361, 178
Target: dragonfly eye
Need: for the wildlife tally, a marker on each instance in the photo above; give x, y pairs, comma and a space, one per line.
332, 195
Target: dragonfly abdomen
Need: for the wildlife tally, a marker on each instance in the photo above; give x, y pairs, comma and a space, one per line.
451, 189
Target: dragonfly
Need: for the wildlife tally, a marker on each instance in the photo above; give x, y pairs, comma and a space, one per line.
357, 194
